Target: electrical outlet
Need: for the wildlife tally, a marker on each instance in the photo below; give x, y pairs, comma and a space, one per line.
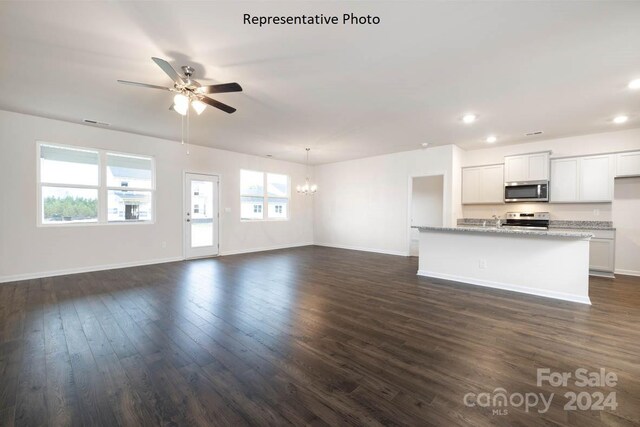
482, 264
596, 212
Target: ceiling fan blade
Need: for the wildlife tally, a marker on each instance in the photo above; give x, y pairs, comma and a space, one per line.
217, 104
222, 88
167, 68
125, 82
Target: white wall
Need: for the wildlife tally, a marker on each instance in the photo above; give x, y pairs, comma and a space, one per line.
29, 251
363, 204
626, 207
560, 147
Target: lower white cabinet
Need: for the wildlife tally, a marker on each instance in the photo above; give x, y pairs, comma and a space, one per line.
586, 179
483, 184
602, 255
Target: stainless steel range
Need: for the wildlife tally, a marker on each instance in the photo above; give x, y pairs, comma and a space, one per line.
527, 220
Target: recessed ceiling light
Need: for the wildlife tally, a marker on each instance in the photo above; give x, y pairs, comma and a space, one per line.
620, 119
469, 118
634, 84
425, 144
491, 139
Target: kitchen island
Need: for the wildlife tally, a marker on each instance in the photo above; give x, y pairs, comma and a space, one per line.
548, 263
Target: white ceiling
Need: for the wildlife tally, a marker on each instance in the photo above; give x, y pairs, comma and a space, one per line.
344, 91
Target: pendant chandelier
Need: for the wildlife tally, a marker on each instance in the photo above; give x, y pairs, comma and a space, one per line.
307, 188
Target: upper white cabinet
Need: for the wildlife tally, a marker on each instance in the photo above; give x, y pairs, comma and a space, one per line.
527, 167
628, 164
582, 179
483, 184
564, 180
596, 178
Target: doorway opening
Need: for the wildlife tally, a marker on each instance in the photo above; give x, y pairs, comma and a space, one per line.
426, 206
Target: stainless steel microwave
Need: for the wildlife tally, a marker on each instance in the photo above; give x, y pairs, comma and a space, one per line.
531, 191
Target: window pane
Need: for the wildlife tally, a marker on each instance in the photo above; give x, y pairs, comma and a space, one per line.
125, 205
278, 207
129, 171
202, 211
251, 207
69, 205
61, 165
251, 183
277, 185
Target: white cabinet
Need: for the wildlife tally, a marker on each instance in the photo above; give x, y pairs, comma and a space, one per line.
596, 179
526, 167
628, 164
582, 179
483, 184
564, 180
601, 255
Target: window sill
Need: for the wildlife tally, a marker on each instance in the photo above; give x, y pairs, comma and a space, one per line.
265, 220
94, 224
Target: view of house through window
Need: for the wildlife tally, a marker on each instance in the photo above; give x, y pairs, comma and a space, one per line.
71, 190
258, 189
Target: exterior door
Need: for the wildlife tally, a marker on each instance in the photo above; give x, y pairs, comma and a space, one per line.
201, 215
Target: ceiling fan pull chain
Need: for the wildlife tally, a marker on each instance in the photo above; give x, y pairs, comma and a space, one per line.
182, 129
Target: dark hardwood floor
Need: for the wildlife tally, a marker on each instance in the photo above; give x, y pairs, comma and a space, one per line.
307, 336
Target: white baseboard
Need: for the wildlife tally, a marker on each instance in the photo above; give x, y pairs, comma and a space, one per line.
508, 287
360, 248
52, 273
263, 249
627, 272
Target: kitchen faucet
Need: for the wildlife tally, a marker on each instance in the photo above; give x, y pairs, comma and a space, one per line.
497, 218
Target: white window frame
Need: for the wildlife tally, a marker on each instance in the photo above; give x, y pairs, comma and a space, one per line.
265, 197
103, 190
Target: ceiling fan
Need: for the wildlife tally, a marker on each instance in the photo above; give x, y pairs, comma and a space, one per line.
189, 91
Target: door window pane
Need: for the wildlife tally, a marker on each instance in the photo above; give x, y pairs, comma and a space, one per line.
278, 207
202, 212
62, 165
61, 205
251, 183
129, 171
277, 185
251, 207
123, 205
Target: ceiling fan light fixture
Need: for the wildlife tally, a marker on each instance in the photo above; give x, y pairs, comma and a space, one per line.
180, 108
198, 106
181, 100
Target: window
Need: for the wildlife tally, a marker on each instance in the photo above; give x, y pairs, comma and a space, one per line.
73, 192
258, 188
129, 183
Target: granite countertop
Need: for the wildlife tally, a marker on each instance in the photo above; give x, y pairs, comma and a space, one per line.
573, 225
582, 225
508, 230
